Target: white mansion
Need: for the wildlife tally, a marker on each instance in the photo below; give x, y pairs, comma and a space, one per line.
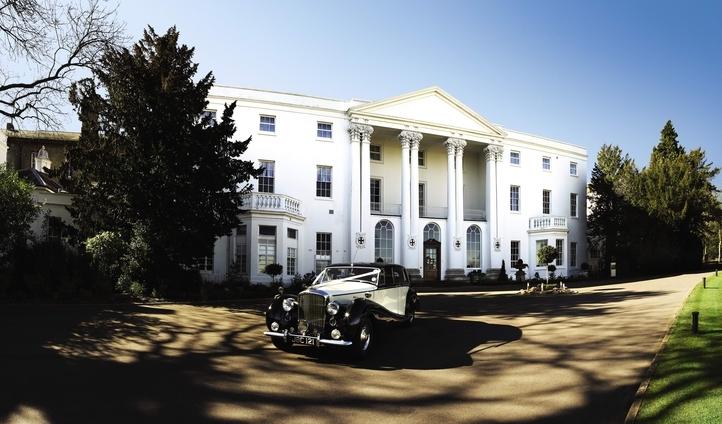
419, 179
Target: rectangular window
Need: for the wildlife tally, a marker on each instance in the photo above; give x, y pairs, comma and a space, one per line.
573, 253
539, 245
422, 158
514, 198
375, 153
375, 195
594, 252
210, 114
291, 261
205, 263
323, 181
573, 205
266, 246
514, 251
547, 163
324, 130
422, 199
267, 177
323, 251
546, 202
514, 157
267, 124
560, 252
573, 169
241, 252
292, 233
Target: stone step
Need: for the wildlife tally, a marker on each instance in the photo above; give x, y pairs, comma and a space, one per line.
455, 274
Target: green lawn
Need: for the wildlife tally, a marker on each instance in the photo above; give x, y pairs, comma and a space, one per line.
687, 384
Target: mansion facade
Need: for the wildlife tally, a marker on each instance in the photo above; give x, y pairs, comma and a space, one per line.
419, 179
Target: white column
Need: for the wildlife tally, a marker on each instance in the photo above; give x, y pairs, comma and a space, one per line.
450, 201
494, 155
368, 252
460, 144
360, 193
412, 248
405, 196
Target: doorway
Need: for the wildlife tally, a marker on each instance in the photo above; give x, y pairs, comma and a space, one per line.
432, 260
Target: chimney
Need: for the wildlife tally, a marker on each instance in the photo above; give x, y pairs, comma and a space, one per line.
42, 160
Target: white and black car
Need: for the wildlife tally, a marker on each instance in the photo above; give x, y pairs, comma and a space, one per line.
342, 306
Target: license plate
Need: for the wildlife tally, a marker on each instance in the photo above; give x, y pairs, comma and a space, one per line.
305, 340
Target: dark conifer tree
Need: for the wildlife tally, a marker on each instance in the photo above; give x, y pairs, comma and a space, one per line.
150, 160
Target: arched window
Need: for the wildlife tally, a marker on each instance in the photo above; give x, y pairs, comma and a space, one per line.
384, 242
473, 247
432, 232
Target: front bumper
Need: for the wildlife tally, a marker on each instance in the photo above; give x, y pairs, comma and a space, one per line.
319, 340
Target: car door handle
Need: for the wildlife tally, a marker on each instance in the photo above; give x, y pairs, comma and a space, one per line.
368, 295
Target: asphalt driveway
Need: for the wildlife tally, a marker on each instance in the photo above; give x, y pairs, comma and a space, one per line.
471, 357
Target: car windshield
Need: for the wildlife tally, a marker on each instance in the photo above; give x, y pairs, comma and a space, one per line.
355, 273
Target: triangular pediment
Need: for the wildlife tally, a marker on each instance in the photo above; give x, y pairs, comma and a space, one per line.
429, 107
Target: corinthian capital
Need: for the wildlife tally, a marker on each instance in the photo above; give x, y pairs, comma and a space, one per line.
360, 132
494, 152
410, 138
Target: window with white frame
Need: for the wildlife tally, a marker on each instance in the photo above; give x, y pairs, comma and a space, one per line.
546, 202
376, 194
547, 163
384, 242
473, 247
573, 205
515, 157
323, 251
422, 199
539, 245
376, 153
514, 252
267, 124
560, 252
573, 253
266, 246
323, 181
422, 158
205, 263
267, 177
432, 232
291, 261
514, 198
292, 233
324, 130
573, 169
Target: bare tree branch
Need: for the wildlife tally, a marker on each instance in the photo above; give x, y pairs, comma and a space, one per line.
51, 41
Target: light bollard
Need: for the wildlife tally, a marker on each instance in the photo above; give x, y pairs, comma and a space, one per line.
695, 322
704, 282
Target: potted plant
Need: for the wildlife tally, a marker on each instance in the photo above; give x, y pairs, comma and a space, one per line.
520, 274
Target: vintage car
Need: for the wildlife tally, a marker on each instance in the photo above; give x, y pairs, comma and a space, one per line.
342, 306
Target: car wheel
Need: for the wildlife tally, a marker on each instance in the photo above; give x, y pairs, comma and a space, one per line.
364, 339
281, 343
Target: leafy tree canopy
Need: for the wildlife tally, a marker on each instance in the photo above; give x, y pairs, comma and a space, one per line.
16, 208
150, 157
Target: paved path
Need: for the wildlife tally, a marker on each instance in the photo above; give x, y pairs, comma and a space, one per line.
471, 357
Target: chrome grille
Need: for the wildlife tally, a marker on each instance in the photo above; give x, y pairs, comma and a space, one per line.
312, 309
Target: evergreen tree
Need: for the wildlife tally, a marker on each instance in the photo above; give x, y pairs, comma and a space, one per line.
17, 210
668, 146
150, 161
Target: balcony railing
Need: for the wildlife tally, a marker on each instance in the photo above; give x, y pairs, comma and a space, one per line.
433, 212
385, 209
474, 215
545, 223
272, 202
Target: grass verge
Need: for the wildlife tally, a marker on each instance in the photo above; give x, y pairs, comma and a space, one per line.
687, 385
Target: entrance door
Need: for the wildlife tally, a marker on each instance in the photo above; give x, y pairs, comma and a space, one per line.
432, 260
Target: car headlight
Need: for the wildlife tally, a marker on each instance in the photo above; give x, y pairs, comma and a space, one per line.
288, 304
332, 308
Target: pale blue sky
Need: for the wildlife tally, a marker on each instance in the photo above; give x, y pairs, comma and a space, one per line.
586, 73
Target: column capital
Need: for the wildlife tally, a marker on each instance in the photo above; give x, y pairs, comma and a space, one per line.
360, 132
410, 138
494, 152
450, 144
460, 144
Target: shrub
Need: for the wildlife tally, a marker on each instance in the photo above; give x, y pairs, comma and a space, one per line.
273, 270
105, 251
502, 272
